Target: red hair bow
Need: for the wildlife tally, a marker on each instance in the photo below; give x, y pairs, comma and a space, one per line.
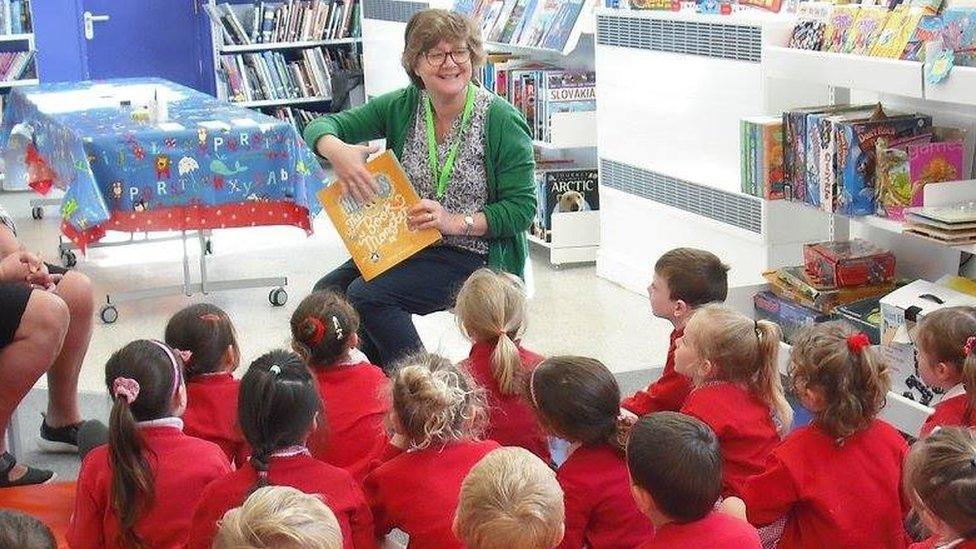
319, 330
858, 341
970, 345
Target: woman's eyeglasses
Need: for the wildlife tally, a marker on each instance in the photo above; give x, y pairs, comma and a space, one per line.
438, 58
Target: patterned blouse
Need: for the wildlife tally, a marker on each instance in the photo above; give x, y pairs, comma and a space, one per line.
467, 189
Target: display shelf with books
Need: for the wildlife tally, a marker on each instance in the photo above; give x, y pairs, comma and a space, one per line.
18, 65
531, 27
844, 70
277, 55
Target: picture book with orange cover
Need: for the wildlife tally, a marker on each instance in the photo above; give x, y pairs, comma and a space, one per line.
376, 233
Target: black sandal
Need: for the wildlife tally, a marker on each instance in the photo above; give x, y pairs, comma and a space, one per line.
32, 476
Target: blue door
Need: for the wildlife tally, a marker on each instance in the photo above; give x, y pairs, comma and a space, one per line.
160, 38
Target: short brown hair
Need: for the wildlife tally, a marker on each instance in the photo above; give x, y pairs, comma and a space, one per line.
940, 473
676, 458
24, 532
694, 276
428, 27
511, 498
854, 383
943, 335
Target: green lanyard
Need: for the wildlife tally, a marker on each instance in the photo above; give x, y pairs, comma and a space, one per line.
442, 174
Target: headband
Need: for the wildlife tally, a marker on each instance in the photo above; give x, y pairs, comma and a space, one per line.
177, 376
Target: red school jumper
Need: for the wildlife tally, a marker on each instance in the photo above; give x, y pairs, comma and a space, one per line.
417, 492
181, 465
511, 420
835, 495
353, 435
715, 530
211, 414
600, 510
933, 543
300, 471
950, 411
744, 427
668, 393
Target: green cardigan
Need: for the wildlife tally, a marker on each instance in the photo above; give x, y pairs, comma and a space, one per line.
509, 161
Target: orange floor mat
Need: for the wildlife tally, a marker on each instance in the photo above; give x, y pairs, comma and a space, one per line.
51, 503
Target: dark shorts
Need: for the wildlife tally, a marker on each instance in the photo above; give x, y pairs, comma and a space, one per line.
13, 304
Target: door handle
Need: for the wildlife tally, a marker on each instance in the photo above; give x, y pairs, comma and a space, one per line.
89, 20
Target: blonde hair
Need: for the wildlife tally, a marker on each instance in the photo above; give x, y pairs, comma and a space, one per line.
491, 308
940, 474
279, 516
428, 28
510, 499
743, 351
436, 402
943, 335
854, 383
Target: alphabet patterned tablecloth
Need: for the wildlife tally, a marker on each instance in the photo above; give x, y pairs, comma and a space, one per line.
206, 165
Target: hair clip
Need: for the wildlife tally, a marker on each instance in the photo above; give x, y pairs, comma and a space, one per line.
185, 356
970, 345
275, 370
755, 328
973, 462
858, 341
125, 387
535, 402
318, 333
210, 317
338, 327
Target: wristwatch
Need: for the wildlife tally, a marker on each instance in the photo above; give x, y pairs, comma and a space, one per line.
468, 224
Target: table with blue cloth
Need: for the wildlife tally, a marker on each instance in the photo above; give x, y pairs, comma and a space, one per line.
198, 164
208, 165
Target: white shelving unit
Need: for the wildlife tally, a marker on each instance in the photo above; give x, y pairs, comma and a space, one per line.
282, 102
7, 43
246, 48
582, 28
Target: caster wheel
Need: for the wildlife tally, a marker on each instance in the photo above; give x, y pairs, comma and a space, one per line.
278, 297
208, 247
37, 212
109, 314
69, 259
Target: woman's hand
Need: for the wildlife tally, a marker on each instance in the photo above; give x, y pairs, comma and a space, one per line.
349, 163
429, 214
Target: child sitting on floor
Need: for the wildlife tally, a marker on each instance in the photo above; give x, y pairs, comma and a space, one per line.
20, 531
279, 517
491, 311
354, 392
940, 478
204, 336
510, 499
946, 342
140, 489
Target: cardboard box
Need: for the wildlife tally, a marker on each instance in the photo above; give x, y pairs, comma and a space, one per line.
863, 316
853, 263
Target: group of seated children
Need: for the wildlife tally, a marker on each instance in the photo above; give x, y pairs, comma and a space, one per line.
459, 456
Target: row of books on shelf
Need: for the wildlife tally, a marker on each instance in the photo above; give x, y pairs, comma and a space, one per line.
896, 31
291, 21
563, 191
296, 117
16, 65
854, 160
269, 75
534, 23
539, 92
15, 17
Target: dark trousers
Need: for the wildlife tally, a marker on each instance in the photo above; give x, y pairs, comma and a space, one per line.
423, 284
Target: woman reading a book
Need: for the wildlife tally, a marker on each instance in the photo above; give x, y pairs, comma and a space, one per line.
467, 152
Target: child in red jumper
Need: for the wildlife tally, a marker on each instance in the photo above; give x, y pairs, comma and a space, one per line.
946, 342
838, 479
203, 333
491, 311
437, 415
940, 477
732, 362
140, 488
277, 409
354, 392
684, 278
676, 476
577, 399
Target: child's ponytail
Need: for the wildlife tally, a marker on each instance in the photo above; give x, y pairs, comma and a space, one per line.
491, 308
769, 382
143, 378
969, 380
276, 407
322, 327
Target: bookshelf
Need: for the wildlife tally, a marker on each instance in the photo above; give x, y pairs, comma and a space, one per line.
18, 65
282, 56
